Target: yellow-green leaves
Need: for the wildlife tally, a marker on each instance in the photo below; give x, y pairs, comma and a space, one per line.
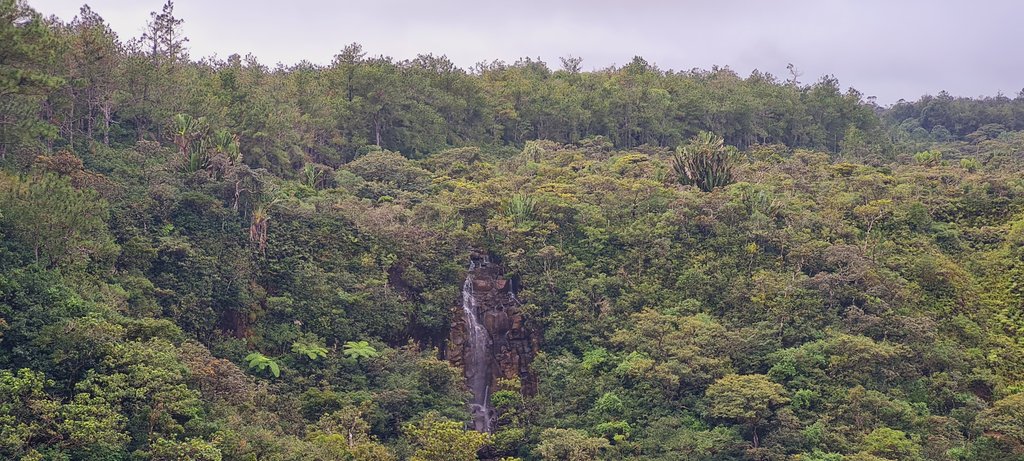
438, 439
747, 399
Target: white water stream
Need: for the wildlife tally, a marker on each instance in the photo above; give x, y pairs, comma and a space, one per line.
477, 358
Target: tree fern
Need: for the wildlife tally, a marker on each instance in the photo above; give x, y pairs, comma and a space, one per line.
260, 362
359, 350
309, 349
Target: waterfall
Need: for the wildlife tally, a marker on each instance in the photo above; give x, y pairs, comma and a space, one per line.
477, 357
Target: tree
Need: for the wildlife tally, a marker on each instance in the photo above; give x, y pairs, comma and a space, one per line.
188, 450
970, 164
31, 419
163, 37
854, 145
389, 173
150, 69
571, 64
92, 58
26, 50
190, 135
93, 429
928, 157
146, 382
1004, 421
570, 445
747, 399
437, 439
58, 223
347, 434
260, 226
891, 444
685, 346
26, 412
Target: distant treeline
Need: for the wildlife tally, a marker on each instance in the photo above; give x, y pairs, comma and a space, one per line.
77, 82
946, 118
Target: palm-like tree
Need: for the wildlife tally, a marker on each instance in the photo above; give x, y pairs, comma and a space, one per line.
312, 175
187, 129
224, 142
704, 162
521, 208
260, 225
189, 135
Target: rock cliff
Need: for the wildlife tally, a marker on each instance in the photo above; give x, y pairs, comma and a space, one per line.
510, 345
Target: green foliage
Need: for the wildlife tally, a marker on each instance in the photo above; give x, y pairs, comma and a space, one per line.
703, 162
188, 450
190, 134
889, 443
359, 350
1004, 421
838, 297
595, 358
685, 350
928, 157
521, 209
227, 144
57, 223
311, 175
309, 348
570, 445
970, 164
748, 399
345, 434
436, 439
24, 411
388, 173
27, 45
260, 362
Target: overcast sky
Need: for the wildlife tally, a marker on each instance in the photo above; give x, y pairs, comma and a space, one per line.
890, 49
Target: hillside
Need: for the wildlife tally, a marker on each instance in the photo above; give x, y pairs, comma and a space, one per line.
214, 260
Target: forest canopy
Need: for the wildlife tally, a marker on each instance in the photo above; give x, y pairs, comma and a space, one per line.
206, 260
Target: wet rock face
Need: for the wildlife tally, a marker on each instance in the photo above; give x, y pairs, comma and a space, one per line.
512, 346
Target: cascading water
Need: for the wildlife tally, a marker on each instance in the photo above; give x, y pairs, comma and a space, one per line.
477, 358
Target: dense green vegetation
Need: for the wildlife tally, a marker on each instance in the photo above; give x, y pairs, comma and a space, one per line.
206, 260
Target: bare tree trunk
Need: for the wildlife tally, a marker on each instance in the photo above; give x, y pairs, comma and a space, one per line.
376, 127
106, 124
140, 128
90, 121
71, 123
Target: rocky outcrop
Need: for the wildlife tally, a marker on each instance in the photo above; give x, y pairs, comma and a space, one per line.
512, 346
